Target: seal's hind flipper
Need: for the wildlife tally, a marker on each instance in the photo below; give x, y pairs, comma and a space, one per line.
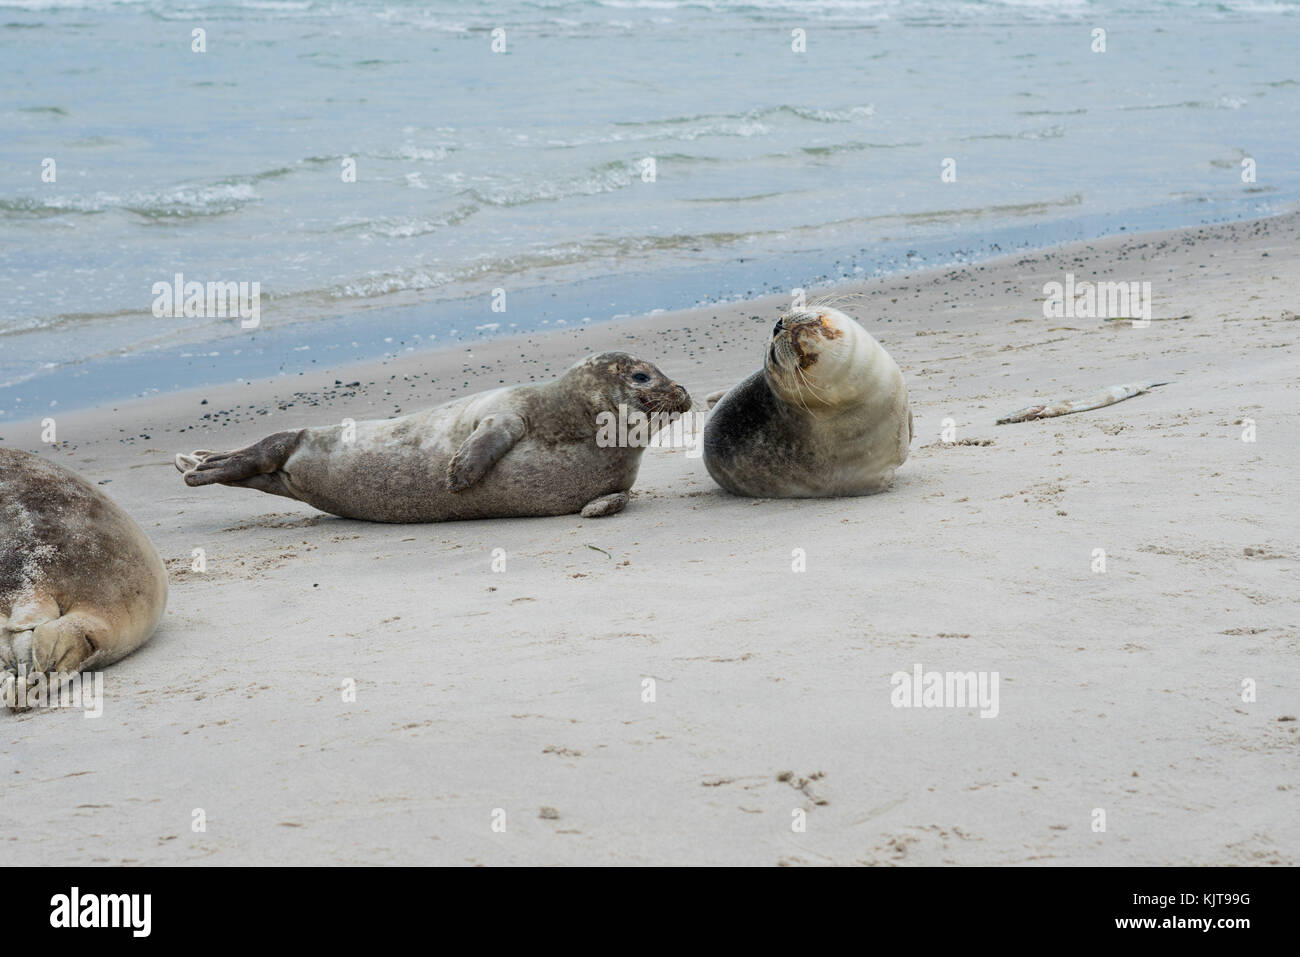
228, 468
186, 461
493, 438
220, 468
605, 505
68, 644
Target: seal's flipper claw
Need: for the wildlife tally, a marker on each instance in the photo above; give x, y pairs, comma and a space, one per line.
605, 505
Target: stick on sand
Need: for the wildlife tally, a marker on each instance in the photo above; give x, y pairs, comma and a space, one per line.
1107, 396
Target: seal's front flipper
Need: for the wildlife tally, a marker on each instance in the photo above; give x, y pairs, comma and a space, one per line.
493, 438
605, 505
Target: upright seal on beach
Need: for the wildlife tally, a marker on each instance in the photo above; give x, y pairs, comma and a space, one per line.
827, 414
80, 584
519, 451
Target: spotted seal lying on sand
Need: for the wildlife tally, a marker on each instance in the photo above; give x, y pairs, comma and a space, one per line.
826, 415
80, 584
518, 451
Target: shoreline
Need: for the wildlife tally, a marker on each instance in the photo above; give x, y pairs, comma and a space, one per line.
523, 690
606, 334
371, 333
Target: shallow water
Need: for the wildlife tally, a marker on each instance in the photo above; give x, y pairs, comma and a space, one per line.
523, 170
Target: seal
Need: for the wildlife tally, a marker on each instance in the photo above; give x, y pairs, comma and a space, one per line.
826, 415
523, 450
80, 584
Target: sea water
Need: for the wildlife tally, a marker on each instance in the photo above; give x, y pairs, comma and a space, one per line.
398, 175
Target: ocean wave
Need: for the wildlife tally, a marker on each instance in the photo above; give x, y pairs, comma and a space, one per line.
96, 142
1230, 162
870, 10
1037, 208
141, 337
830, 116
406, 227
237, 9
1222, 103
379, 284
841, 115
509, 192
56, 5
1053, 132
610, 177
750, 123
184, 201
411, 152
579, 15
64, 320
853, 146
756, 197
179, 202
667, 130
420, 20
954, 11
420, 283
277, 5
605, 178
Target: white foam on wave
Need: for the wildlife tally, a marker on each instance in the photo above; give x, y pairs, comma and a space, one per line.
519, 191
178, 201
752, 123
409, 151
56, 5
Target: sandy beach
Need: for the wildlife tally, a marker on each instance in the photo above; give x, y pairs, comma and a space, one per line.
522, 691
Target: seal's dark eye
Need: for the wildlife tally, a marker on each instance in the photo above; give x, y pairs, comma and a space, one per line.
776, 330
640, 377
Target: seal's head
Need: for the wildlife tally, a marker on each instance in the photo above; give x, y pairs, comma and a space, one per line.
613, 379
815, 358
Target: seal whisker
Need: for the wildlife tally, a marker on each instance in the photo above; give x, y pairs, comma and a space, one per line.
807, 384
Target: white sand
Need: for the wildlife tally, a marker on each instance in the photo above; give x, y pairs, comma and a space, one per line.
522, 690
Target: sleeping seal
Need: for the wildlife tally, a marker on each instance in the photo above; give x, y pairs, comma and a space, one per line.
80, 584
